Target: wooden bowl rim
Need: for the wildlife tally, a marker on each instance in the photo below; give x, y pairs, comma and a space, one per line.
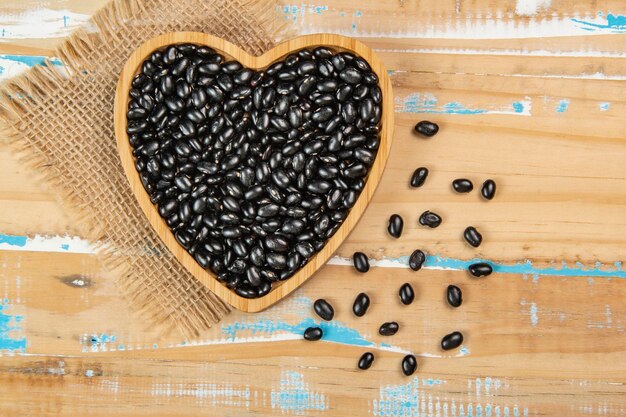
231, 51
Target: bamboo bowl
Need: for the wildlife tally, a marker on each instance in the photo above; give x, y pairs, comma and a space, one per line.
230, 51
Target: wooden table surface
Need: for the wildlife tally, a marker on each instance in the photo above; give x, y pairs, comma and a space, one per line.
531, 93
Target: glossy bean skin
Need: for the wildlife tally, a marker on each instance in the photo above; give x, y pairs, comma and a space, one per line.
406, 293
365, 361
409, 365
430, 219
313, 334
426, 128
472, 236
254, 170
417, 259
462, 185
452, 341
388, 328
324, 309
395, 226
419, 177
454, 296
360, 261
488, 190
361, 304
480, 269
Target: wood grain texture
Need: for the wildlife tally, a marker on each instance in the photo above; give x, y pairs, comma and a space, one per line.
536, 345
233, 52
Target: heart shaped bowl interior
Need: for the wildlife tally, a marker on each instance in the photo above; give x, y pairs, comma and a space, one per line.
232, 52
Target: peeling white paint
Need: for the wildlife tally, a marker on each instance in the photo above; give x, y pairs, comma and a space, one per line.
530, 7
39, 24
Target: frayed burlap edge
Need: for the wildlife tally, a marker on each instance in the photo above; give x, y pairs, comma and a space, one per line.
19, 94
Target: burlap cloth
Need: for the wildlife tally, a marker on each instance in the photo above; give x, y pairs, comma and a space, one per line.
62, 120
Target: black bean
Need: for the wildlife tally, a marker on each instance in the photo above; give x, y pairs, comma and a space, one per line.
174, 104
361, 263
409, 365
257, 255
183, 183
343, 93
360, 92
395, 225
488, 190
313, 333
327, 85
230, 203
365, 155
427, 128
351, 75
264, 288
349, 199
454, 296
276, 261
324, 309
389, 328
361, 304
305, 249
480, 269
452, 341
473, 236
187, 128
419, 177
462, 185
416, 260
276, 243
318, 187
307, 67
430, 219
366, 360
322, 114
406, 294
137, 113
245, 290
356, 170
366, 109
268, 210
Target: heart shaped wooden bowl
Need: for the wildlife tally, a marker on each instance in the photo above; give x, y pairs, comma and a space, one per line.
230, 51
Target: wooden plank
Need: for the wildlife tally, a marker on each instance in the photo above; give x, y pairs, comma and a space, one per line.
536, 350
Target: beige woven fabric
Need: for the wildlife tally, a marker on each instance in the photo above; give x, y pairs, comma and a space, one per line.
64, 125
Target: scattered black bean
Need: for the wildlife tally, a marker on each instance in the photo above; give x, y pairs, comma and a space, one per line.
254, 170
313, 333
366, 360
419, 177
473, 236
454, 296
409, 365
361, 263
462, 185
427, 128
361, 304
416, 260
324, 309
430, 219
395, 225
488, 190
406, 294
481, 269
452, 341
388, 328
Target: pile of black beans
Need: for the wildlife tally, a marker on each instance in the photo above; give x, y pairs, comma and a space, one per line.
253, 171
